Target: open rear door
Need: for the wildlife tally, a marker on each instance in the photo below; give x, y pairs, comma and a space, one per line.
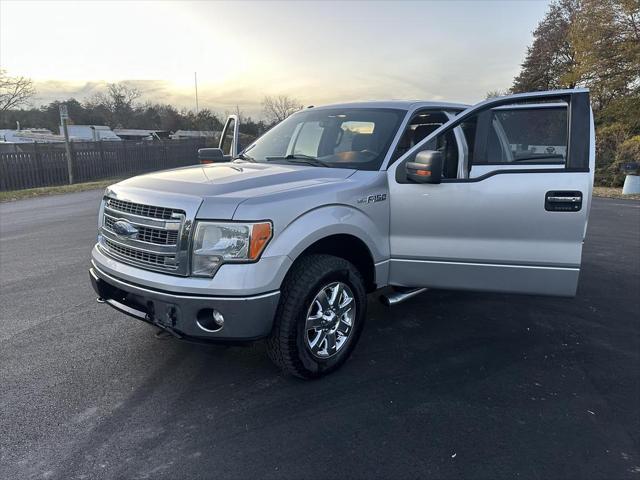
229, 138
512, 216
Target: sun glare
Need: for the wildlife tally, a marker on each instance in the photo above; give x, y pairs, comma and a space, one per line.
97, 41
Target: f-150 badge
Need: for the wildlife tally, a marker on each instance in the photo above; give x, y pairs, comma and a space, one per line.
379, 197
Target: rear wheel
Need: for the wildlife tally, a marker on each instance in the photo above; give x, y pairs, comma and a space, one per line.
321, 314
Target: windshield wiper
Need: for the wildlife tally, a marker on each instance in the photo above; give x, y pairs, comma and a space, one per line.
299, 158
244, 156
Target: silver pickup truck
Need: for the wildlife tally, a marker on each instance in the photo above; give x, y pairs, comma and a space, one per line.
284, 240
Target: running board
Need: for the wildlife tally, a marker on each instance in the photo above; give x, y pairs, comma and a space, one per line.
400, 295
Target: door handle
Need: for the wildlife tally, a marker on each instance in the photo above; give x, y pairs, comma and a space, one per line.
563, 201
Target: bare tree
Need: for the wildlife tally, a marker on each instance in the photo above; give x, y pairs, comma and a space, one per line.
14, 91
117, 96
237, 112
119, 101
278, 108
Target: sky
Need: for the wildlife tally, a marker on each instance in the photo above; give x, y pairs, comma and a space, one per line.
317, 52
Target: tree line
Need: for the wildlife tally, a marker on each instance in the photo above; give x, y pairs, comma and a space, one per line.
119, 106
593, 44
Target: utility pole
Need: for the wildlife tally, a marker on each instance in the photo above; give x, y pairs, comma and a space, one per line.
64, 117
195, 76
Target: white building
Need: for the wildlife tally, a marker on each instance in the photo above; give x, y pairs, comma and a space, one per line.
90, 133
140, 134
30, 135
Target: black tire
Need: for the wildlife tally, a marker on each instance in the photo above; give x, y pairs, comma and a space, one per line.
287, 346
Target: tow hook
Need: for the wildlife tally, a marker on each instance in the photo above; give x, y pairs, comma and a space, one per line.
168, 330
171, 316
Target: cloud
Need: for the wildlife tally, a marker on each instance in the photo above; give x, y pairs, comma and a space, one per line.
407, 78
154, 91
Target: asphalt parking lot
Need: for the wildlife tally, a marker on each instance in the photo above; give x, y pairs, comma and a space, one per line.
447, 385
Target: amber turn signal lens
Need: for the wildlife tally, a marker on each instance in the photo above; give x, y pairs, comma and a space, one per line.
423, 173
260, 236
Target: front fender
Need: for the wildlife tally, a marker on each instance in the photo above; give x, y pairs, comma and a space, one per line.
325, 221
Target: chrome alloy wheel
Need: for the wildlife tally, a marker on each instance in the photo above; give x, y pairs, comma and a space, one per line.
330, 320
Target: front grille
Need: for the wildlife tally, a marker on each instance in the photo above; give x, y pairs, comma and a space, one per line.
167, 261
143, 210
148, 234
158, 244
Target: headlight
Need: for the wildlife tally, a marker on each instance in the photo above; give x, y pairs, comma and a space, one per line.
101, 212
101, 218
218, 243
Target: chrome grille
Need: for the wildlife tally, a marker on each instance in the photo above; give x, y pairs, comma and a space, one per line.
142, 256
148, 234
142, 210
158, 244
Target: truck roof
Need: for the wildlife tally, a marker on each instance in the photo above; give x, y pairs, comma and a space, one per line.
398, 104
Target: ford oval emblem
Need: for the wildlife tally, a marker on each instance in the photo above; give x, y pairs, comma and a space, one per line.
124, 229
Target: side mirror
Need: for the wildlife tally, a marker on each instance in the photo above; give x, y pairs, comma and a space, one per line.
426, 167
210, 155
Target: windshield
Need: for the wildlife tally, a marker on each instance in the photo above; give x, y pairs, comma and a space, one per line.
347, 138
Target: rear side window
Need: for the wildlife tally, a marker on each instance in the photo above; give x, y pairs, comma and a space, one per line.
522, 135
354, 136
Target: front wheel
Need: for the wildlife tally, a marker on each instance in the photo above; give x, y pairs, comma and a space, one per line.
321, 314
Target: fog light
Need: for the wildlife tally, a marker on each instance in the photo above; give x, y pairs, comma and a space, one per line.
218, 318
210, 320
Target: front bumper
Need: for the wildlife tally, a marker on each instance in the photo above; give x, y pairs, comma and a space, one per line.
245, 318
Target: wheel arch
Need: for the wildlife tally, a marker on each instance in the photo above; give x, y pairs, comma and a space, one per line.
341, 231
347, 247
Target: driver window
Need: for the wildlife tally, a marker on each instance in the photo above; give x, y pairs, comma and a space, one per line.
518, 136
524, 134
512, 136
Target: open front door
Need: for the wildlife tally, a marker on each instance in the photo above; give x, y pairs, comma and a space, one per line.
229, 138
511, 209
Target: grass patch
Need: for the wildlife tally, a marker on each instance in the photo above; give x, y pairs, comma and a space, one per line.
612, 192
45, 191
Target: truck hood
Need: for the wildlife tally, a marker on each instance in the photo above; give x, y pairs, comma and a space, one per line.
222, 187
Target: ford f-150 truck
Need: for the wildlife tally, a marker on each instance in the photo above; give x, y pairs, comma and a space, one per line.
284, 239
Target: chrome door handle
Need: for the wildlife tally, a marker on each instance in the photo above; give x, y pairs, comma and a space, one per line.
563, 201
